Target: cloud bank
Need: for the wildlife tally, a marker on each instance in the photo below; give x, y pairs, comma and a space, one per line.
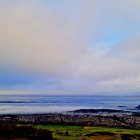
70, 47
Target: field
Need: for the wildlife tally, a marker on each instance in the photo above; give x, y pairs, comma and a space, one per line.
91, 133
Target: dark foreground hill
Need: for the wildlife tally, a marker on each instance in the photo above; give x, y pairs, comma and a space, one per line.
20, 132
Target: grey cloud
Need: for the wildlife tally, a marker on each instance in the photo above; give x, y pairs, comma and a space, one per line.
39, 39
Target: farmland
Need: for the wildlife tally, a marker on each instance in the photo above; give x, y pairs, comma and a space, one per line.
91, 133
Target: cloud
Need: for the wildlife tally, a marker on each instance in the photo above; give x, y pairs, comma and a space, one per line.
82, 46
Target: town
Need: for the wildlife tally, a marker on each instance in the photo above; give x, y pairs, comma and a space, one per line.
126, 121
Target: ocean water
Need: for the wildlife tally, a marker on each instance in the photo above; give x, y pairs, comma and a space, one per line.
59, 104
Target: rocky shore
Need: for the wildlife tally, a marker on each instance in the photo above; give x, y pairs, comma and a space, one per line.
81, 119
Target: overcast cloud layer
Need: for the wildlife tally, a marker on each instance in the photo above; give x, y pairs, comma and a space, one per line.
70, 47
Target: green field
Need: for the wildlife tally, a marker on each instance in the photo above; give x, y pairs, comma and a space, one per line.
91, 133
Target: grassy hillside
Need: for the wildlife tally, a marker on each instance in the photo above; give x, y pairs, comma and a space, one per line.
91, 133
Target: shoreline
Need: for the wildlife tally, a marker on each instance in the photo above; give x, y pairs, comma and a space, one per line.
107, 118
96, 112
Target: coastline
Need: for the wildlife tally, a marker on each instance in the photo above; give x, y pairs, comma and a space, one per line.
107, 118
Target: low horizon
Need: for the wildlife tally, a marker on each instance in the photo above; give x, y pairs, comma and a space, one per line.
38, 93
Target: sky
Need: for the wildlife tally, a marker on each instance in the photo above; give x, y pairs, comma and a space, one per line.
70, 47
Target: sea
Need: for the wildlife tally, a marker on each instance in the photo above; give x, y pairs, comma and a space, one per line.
30, 104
